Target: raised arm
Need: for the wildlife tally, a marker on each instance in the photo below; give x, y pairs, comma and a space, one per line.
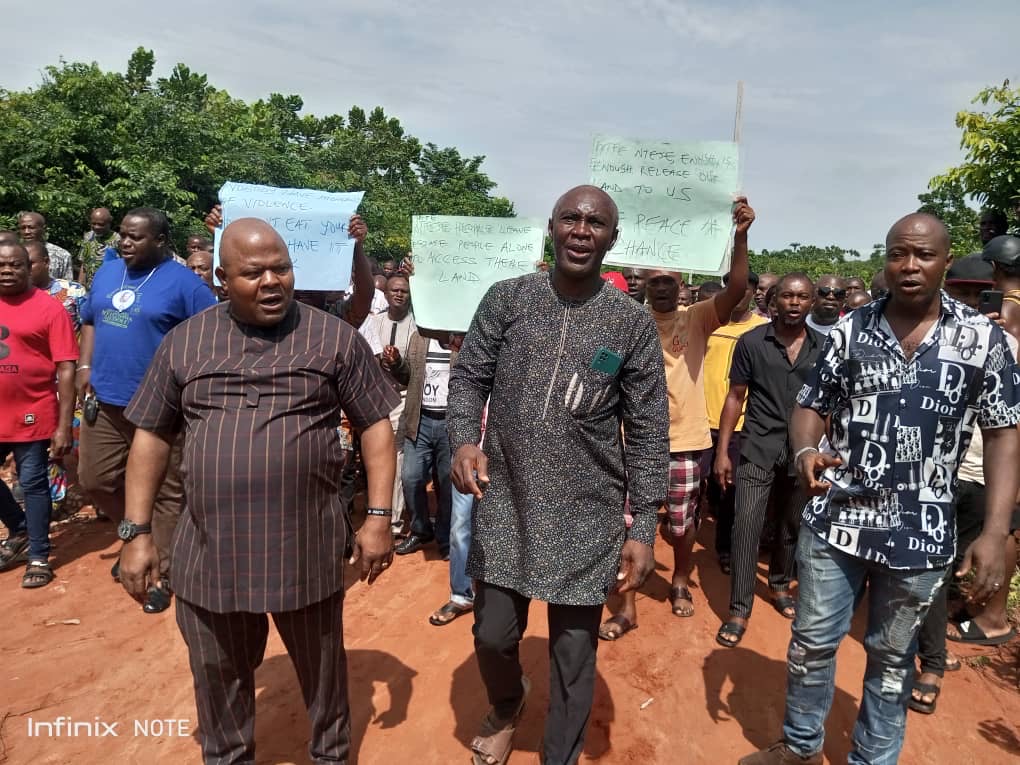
364, 284
736, 286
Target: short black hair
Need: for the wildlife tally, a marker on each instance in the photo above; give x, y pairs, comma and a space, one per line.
795, 275
159, 224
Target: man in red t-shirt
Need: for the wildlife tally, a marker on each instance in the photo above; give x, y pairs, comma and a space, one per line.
38, 352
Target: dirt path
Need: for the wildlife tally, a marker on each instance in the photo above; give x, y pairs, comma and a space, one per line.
665, 693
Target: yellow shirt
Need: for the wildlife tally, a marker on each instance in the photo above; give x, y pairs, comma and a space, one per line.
717, 366
684, 336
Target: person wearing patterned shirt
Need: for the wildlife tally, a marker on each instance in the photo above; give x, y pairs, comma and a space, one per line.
904, 380
567, 359
94, 245
68, 294
32, 228
256, 385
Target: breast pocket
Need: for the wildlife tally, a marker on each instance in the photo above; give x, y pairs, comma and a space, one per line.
591, 393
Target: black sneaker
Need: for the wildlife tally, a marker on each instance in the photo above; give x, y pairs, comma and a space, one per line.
412, 544
13, 550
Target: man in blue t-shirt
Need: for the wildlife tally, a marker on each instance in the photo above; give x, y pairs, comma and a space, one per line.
133, 302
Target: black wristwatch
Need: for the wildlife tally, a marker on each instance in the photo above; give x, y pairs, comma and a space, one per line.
128, 530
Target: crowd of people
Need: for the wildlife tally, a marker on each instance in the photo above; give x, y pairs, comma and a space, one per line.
864, 437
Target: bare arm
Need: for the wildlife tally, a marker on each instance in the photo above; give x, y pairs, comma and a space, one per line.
60, 443
986, 554
736, 286
83, 376
373, 545
806, 430
364, 284
727, 424
146, 468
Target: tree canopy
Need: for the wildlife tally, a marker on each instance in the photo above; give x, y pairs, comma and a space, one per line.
990, 172
86, 137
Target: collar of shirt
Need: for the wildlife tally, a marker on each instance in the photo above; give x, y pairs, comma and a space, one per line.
811, 340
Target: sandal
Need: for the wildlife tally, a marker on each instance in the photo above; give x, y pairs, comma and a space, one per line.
37, 574
783, 604
677, 594
622, 624
13, 550
925, 689
953, 663
730, 628
971, 633
492, 746
448, 613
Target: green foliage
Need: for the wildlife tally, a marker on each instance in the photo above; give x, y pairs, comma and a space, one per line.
990, 172
948, 202
85, 138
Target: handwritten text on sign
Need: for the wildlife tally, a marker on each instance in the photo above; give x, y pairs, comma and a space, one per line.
312, 223
675, 201
457, 259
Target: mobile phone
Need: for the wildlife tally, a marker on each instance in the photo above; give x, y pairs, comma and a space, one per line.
990, 301
90, 409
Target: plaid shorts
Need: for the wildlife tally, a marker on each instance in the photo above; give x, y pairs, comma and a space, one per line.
684, 493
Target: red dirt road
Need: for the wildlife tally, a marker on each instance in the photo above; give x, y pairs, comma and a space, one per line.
665, 694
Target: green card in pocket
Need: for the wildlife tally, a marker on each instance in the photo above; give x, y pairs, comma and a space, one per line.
606, 361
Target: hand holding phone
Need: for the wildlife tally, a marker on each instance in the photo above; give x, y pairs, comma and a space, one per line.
990, 302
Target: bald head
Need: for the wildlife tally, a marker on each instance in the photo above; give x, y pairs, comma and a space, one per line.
571, 198
921, 225
246, 236
256, 272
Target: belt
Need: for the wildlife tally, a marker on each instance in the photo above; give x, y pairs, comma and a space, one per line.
434, 414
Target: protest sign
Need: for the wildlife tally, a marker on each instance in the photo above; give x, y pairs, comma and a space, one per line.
675, 201
312, 223
457, 259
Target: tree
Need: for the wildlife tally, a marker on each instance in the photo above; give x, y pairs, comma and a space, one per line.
990, 172
948, 202
85, 137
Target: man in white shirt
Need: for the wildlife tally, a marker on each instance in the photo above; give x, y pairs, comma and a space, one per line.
830, 294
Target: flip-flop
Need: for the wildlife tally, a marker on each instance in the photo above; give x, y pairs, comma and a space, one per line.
972, 634
730, 628
625, 625
953, 665
448, 613
925, 689
784, 602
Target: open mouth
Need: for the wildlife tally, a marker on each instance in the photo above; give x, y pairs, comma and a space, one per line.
271, 303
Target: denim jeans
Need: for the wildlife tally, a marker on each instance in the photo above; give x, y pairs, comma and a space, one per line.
432, 446
461, 588
831, 582
32, 459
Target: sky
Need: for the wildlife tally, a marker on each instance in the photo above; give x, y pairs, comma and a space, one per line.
848, 109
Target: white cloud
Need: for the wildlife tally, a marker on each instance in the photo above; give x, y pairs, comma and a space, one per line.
849, 107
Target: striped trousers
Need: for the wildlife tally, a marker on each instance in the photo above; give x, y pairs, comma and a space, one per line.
225, 649
754, 484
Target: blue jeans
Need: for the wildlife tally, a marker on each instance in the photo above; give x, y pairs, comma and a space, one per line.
461, 588
32, 459
431, 447
831, 584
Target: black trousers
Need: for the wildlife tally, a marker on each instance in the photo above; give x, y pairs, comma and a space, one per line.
931, 639
224, 651
501, 617
754, 484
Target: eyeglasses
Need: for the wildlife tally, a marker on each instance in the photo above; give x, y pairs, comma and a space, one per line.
837, 293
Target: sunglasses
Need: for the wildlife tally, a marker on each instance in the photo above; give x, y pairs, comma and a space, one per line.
837, 293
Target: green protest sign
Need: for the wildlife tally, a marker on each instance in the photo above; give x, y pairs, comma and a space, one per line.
675, 201
457, 259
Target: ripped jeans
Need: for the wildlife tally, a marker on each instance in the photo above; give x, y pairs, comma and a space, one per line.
831, 584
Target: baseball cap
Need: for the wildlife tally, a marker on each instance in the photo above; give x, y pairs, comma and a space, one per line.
973, 269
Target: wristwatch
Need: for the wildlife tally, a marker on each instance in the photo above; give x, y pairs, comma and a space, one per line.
128, 530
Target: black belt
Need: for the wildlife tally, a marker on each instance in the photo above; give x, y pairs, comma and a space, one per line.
434, 414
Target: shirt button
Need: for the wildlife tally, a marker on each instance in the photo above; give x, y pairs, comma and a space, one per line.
901, 487
903, 403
